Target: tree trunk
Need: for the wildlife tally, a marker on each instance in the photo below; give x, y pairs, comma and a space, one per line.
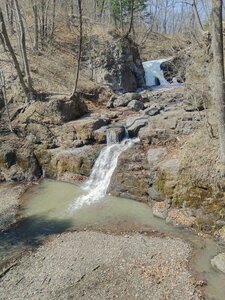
12, 53
218, 72
131, 18
80, 48
197, 19
2, 83
53, 18
23, 49
10, 15
35, 14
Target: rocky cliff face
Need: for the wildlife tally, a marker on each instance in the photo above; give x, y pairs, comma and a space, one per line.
119, 65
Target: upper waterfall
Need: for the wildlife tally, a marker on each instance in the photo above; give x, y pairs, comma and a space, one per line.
154, 74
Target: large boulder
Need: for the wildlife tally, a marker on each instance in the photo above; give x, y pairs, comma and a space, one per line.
53, 112
125, 99
115, 134
80, 132
17, 160
119, 65
136, 105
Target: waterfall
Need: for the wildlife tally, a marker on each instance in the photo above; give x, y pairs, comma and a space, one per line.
154, 74
98, 183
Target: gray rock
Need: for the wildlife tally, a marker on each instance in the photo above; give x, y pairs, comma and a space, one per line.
100, 135
111, 101
153, 110
154, 194
154, 155
170, 167
219, 262
134, 124
124, 99
115, 134
160, 210
119, 65
136, 105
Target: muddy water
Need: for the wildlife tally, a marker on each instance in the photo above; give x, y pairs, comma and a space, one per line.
44, 212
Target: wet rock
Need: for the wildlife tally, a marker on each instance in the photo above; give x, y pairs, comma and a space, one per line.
78, 161
219, 262
130, 178
154, 157
136, 105
175, 68
100, 135
134, 124
115, 134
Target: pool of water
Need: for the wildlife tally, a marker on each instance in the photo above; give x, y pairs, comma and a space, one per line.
45, 210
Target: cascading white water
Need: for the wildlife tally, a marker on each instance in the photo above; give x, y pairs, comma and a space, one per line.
154, 74
99, 181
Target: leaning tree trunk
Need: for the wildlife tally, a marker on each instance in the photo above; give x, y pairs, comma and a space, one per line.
197, 19
80, 48
4, 34
218, 72
23, 49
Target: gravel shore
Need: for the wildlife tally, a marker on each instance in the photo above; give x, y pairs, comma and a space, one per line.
91, 265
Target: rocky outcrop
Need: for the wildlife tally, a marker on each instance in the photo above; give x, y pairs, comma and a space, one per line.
174, 69
119, 65
115, 134
130, 179
70, 165
17, 160
53, 112
81, 132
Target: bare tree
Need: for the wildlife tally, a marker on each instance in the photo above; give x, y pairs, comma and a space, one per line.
198, 22
80, 48
23, 49
10, 15
218, 72
7, 42
36, 36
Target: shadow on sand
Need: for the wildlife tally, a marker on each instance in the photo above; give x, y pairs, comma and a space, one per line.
28, 234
